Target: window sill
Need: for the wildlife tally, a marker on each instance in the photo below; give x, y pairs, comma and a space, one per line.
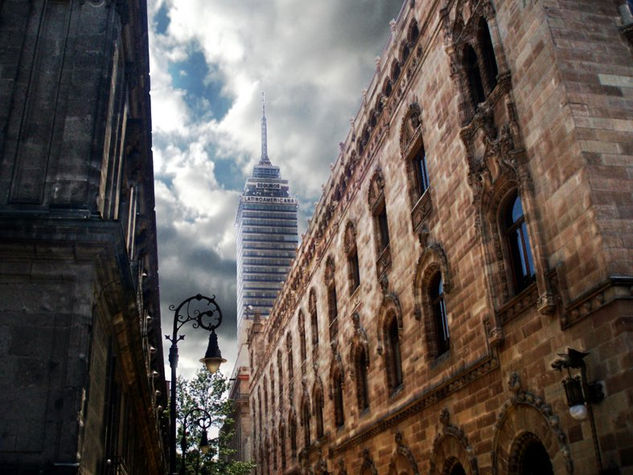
441, 359
519, 304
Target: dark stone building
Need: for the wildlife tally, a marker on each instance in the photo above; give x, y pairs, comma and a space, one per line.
477, 224
81, 362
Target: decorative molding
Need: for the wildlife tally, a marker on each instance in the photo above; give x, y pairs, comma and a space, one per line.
612, 289
429, 397
558, 444
402, 450
451, 432
410, 128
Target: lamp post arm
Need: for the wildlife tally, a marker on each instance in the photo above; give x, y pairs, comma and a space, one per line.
209, 318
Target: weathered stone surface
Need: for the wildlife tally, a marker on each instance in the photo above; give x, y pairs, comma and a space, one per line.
556, 127
69, 403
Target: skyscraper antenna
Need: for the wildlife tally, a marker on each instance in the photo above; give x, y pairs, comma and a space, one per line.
264, 158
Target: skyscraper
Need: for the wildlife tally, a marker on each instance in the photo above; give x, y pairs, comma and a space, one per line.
266, 242
266, 236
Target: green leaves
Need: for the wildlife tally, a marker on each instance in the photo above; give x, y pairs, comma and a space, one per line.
203, 402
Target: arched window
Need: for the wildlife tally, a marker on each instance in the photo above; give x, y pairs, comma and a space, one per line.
393, 355
440, 320
354, 272
302, 336
386, 89
305, 410
318, 413
272, 391
352, 257
282, 444
383, 226
265, 385
273, 450
259, 407
292, 429
518, 242
419, 170
362, 385
473, 76
290, 366
337, 395
487, 55
413, 32
314, 321
330, 284
280, 379
395, 70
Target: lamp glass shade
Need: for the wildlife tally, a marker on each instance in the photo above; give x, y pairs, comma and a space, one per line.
578, 412
213, 363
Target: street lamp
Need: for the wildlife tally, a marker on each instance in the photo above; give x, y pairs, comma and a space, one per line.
203, 312
204, 422
581, 394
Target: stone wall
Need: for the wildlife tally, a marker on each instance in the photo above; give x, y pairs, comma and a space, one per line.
82, 364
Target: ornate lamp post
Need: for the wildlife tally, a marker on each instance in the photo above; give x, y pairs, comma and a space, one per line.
203, 312
204, 422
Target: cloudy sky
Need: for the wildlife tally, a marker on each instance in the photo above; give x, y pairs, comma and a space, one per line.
210, 62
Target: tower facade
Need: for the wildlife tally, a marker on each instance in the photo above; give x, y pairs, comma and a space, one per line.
266, 246
266, 236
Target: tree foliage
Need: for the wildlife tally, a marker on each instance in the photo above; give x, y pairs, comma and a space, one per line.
206, 392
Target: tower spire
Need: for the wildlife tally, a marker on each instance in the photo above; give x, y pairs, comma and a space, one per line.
264, 158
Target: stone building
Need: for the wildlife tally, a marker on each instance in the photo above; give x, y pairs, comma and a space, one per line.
475, 235
81, 362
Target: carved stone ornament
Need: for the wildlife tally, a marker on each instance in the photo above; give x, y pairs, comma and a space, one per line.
526, 412
433, 258
450, 443
329, 270
402, 458
350, 237
410, 128
376, 188
336, 369
359, 339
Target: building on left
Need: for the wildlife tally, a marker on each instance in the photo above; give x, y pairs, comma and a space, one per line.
81, 363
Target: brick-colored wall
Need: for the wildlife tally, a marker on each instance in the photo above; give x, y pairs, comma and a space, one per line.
556, 128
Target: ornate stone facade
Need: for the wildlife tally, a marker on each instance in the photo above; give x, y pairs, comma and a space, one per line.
81, 361
476, 224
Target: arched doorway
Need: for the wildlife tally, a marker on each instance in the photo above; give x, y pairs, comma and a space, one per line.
529, 456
